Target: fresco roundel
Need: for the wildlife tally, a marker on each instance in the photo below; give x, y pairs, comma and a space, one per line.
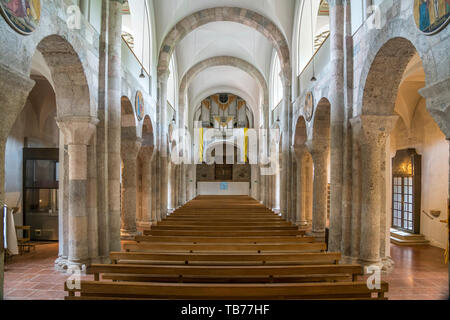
309, 106
139, 105
22, 15
431, 16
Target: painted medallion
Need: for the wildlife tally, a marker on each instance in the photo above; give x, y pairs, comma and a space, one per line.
22, 15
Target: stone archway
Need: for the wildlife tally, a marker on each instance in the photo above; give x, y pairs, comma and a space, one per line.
221, 61
147, 169
319, 146
304, 175
227, 14
129, 149
371, 131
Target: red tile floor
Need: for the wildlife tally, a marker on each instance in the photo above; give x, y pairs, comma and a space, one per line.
419, 274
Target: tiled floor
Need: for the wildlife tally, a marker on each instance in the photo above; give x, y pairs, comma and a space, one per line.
419, 274
32, 276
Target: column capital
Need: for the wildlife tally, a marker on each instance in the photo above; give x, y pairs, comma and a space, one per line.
299, 151
146, 153
129, 148
163, 76
77, 130
318, 146
373, 129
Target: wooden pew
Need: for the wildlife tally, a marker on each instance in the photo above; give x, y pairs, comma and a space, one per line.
272, 291
225, 259
225, 228
223, 247
212, 233
224, 274
255, 240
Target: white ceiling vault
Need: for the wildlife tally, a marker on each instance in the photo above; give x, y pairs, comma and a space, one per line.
223, 39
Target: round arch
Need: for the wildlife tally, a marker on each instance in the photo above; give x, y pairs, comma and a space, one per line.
228, 14
148, 138
71, 87
300, 134
128, 120
321, 121
222, 61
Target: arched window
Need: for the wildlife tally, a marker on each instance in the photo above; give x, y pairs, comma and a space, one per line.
314, 29
137, 30
276, 86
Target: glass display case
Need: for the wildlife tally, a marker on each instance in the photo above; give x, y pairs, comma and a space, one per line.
40, 201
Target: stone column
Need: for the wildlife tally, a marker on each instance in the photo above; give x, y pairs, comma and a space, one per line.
346, 249
308, 188
296, 167
155, 188
102, 139
285, 150
320, 152
337, 23
77, 133
300, 195
114, 121
92, 213
356, 189
129, 150
375, 130
163, 142
146, 154
63, 204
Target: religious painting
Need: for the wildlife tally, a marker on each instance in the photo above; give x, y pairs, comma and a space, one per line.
309, 106
139, 105
22, 15
431, 15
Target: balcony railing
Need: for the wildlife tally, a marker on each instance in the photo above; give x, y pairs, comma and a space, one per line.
321, 58
134, 66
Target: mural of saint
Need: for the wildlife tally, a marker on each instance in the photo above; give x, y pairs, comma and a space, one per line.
22, 15
431, 15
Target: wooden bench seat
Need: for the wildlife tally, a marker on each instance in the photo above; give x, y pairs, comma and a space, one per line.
212, 233
203, 223
272, 291
225, 228
225, 258
223, 247
224, 274
255, 240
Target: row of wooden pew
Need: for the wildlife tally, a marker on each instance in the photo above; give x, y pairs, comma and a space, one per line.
224, 248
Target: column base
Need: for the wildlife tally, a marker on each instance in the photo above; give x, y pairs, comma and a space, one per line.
388, 265
128, 235
61, 264
366, 264
302, 223
144, 224
316, 234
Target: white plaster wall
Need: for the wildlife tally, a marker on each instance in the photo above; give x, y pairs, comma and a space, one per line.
429, 141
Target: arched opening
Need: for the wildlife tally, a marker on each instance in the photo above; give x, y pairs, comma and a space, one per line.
129, 150
314, 29
39, 156
410, 176
320, 151
426, 179
303, 175
145, 184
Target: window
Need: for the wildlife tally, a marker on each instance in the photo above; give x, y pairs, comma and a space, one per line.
314, 29
276, 84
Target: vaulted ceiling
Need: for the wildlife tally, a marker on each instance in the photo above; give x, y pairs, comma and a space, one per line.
224, 39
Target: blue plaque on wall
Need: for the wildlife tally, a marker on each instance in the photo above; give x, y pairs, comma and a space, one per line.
224, 186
